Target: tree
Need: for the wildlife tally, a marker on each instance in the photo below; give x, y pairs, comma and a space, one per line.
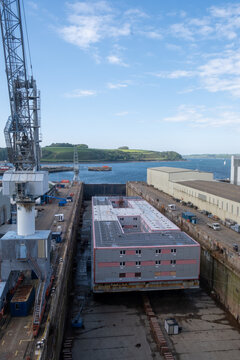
82, 146
123, 148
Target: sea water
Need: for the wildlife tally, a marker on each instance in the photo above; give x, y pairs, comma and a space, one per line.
137, 171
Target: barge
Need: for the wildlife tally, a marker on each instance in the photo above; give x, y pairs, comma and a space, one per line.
99, 168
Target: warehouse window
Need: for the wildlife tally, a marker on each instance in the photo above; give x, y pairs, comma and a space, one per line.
122, 263
121, 275
173, 261
122, 252
158, 251
158, 262
138, 274
138, 252
138, 263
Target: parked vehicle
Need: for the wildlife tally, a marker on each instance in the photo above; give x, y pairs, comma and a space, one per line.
172, 207
235, 227
214, 226
190, 217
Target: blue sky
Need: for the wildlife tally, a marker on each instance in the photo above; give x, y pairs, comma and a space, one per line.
150, 74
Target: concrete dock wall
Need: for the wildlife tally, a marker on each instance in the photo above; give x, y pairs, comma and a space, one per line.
58, 312
219, 269
103, 190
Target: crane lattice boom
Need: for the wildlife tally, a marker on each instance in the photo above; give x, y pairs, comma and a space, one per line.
22, 128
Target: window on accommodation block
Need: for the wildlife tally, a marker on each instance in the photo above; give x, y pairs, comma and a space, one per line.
122, 252
138, 252
158, 262
173, 250
122, 263
135, 218
122, 275
137, 274
158, 251
138, 263
173, 261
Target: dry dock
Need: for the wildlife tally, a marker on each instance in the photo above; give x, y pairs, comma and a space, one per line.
116, 326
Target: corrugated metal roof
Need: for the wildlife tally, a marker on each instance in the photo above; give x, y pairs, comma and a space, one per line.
172, 169
221, 189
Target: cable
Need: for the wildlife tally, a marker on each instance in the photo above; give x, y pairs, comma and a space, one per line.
29, 53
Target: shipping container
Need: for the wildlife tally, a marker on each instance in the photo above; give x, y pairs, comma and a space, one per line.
22, 301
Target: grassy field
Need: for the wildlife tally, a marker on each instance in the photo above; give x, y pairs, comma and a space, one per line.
65, 154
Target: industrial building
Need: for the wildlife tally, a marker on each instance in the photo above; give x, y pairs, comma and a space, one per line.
235, 170
135, 247
219, 198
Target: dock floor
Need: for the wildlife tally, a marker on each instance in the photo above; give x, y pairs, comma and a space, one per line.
116, 326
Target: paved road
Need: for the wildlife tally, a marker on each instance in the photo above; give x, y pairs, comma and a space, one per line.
226, 236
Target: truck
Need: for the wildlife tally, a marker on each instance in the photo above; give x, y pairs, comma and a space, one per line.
190, 217
214, 226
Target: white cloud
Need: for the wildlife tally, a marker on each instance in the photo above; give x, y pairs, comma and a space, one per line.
77, 93
116, 60
136, 13
91, 22
173, 47
153, 34
122, 113
221, 22
90, 8
200, 116
226, 11
174, 74
182, 31
117, 86
33, 5
222, 73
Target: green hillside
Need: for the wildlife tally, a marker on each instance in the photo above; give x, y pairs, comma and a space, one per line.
64, 153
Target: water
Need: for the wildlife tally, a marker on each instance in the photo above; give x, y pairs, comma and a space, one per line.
137, 171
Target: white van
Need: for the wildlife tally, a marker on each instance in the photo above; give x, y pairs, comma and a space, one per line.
172, 207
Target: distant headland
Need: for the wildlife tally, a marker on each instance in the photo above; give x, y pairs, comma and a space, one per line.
63, 152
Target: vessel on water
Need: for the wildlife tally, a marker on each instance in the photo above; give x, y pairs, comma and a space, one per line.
100, 168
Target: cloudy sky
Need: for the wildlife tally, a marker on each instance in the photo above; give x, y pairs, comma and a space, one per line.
149, 74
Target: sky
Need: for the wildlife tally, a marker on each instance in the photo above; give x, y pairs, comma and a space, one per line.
148, 74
